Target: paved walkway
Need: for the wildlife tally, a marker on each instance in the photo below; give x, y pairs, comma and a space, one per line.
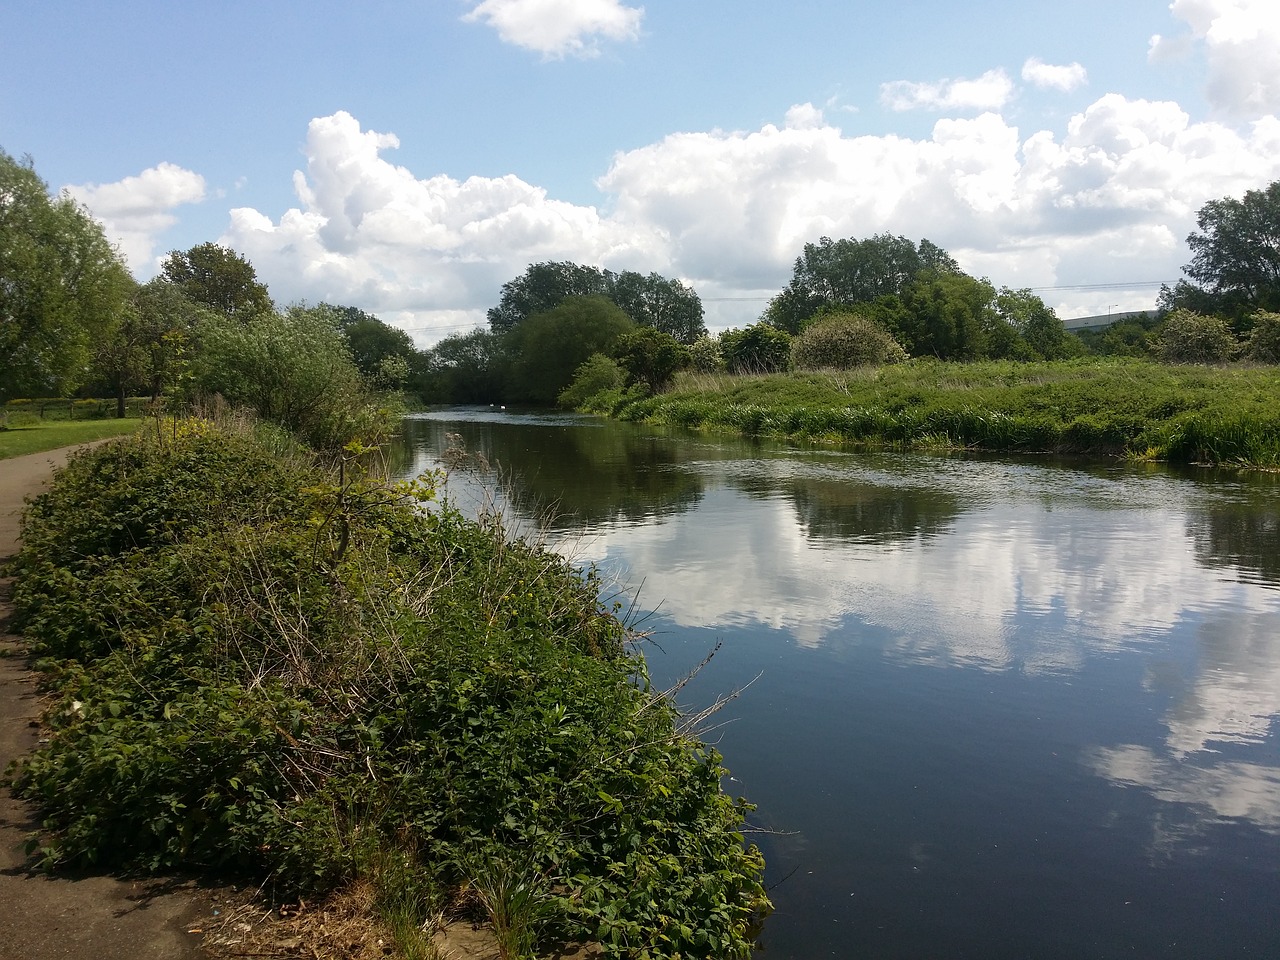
69, 918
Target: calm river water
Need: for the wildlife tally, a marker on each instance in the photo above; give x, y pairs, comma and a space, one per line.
1001, 708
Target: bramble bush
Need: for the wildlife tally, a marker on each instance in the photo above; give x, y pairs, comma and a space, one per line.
254, 667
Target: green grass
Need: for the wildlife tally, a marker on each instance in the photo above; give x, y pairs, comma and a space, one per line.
41, 435
1113, 407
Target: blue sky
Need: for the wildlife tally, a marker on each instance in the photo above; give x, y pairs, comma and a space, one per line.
410, 157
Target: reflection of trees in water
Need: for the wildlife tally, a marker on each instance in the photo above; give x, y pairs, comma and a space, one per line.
573, 473
1243, 535
833, 509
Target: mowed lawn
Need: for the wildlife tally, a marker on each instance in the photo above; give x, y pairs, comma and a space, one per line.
15, 441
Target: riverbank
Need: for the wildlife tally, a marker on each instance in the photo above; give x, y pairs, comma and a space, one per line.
254, 669
1109, 407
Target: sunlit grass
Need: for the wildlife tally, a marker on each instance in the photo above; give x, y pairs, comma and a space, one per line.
42, 435
1116, 407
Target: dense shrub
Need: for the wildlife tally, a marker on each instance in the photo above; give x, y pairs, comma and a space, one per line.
1263, 345
842, 341
1194, 338
760, 348
597, 374
251, 666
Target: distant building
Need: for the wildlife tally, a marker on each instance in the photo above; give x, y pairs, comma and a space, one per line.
1102, 320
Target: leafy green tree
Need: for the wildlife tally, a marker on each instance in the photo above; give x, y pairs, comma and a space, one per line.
466, 368
951, 316
759, 348
842, 339
291, 368
594, 376
1194, 338
1035, 322
650, 358
844, 273
543, 287
374, 345
1264, 339
705, 356
219, 278
548, 347
654, 301
1235, 263
63, 289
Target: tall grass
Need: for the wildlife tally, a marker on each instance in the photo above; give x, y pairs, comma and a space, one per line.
1114, 407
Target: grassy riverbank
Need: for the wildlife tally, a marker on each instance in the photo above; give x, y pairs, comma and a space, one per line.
320, 684
1110, 407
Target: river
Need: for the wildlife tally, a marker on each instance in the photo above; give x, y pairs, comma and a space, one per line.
990, 707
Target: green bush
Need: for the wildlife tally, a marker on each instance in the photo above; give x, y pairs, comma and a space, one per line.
842, 341
1194, 338
1263, 345
253, 667
597, 374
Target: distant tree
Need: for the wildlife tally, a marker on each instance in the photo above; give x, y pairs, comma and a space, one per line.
1035, 322
63, 289
759, 348
1194, 338
844, 273
465, 368
1130, 337
548, 347
543, 287
951, 316
1235, 263
373, 345
149, 350
843, 339
219, 278
650, 358
654, 301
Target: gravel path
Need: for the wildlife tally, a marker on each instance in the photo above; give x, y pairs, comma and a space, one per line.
69, 917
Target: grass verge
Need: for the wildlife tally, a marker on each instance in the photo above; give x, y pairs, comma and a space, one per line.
42, 435
1112, 407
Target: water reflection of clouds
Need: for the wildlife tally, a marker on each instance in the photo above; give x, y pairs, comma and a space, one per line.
1007, 586
1234, 790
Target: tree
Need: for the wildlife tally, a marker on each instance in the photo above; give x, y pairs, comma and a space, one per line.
292, 369
844, 273
218, 278
1194, 338
654, 301
543, 287
1235, 263
548, 347
1035, 322
951, 316
62, 286
842, 340
650, 357
466, 368
374, 347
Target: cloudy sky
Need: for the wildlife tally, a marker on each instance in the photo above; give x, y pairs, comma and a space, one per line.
409, 156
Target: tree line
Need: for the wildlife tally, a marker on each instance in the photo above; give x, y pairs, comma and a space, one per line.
73, 320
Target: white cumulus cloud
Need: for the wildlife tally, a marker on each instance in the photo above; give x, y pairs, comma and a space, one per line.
1051, 76
991, 91
1241, 39
429, 253
559, 28
136, 210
